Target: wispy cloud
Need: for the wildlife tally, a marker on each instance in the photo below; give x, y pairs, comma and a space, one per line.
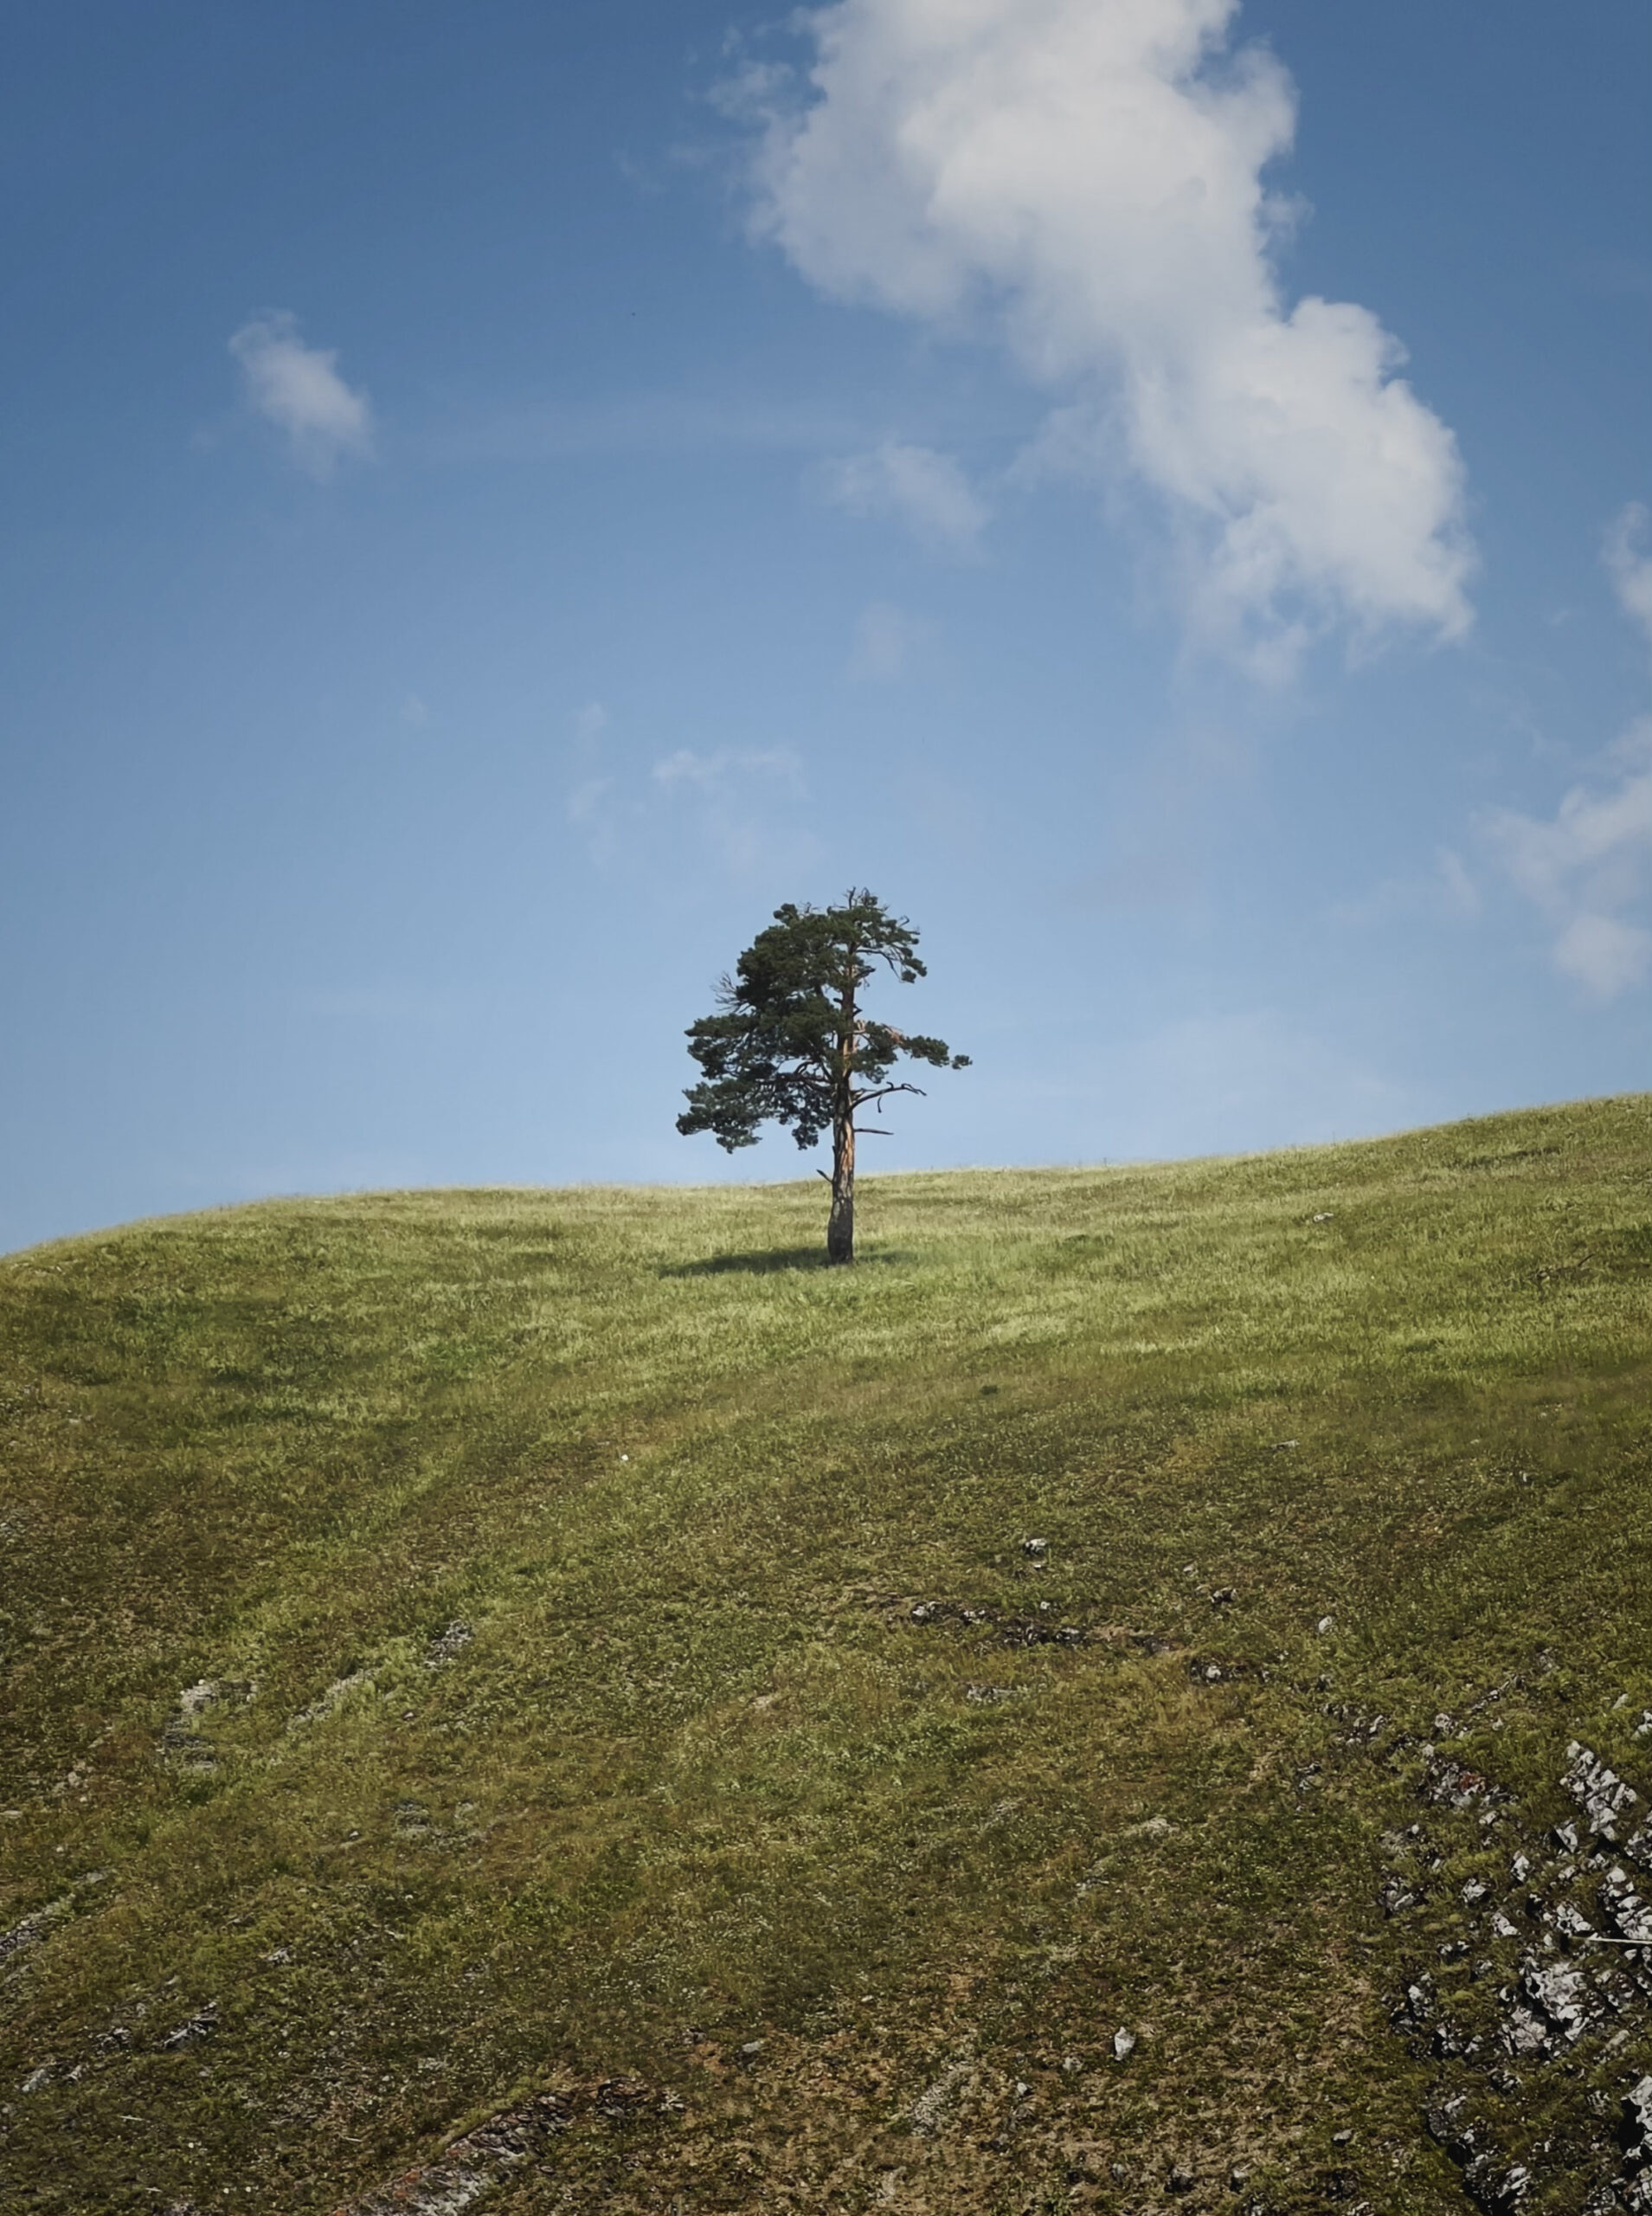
586, 798
1446, 893
886, 639
917, 487
1586, 867
588, 804
1084, 181
297, 388
733, 794
739, 803
686, 767
1629, 569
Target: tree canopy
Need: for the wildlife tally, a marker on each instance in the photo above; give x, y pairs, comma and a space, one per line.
791, 1044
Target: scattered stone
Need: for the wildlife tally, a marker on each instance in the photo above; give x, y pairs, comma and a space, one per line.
1035, 1549
458, 1635
1637, 2122
1123, 2044
1501, 1926
1523, 2034
1453, 1783
984, 1696
203, 2025
1023, 1631
930, 2110
340, 1689
1181, 2179
36, 2078
1473, 1892
1223, 1596
28, 1933
1603, 1795
1565, 1836
1561, 1992
472, 2166
1363, 1730
934, 1612
1325, 1626
1624, 1909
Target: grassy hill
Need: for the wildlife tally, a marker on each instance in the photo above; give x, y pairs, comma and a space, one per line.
549, 1701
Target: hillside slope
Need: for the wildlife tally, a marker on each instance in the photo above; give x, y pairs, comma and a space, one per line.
564, 1674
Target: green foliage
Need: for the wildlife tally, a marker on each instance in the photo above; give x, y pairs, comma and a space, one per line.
789, 1045
698, 1777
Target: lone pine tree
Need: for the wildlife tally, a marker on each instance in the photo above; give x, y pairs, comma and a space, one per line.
790, 1043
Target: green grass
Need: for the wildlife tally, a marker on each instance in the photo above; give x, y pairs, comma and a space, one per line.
698, 1778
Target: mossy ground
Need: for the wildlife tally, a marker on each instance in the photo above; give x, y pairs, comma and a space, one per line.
697, 1779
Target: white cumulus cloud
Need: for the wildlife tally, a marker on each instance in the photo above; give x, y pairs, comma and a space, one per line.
926, 491
1586, 868
1084, 179
297, 388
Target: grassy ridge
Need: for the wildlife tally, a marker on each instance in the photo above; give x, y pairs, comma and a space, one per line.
544, 1567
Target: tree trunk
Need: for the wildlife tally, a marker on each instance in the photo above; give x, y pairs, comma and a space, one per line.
841, 1224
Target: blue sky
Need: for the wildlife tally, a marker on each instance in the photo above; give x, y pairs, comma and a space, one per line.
497, 497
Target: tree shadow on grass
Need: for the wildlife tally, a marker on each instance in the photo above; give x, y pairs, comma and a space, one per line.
769, 1260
